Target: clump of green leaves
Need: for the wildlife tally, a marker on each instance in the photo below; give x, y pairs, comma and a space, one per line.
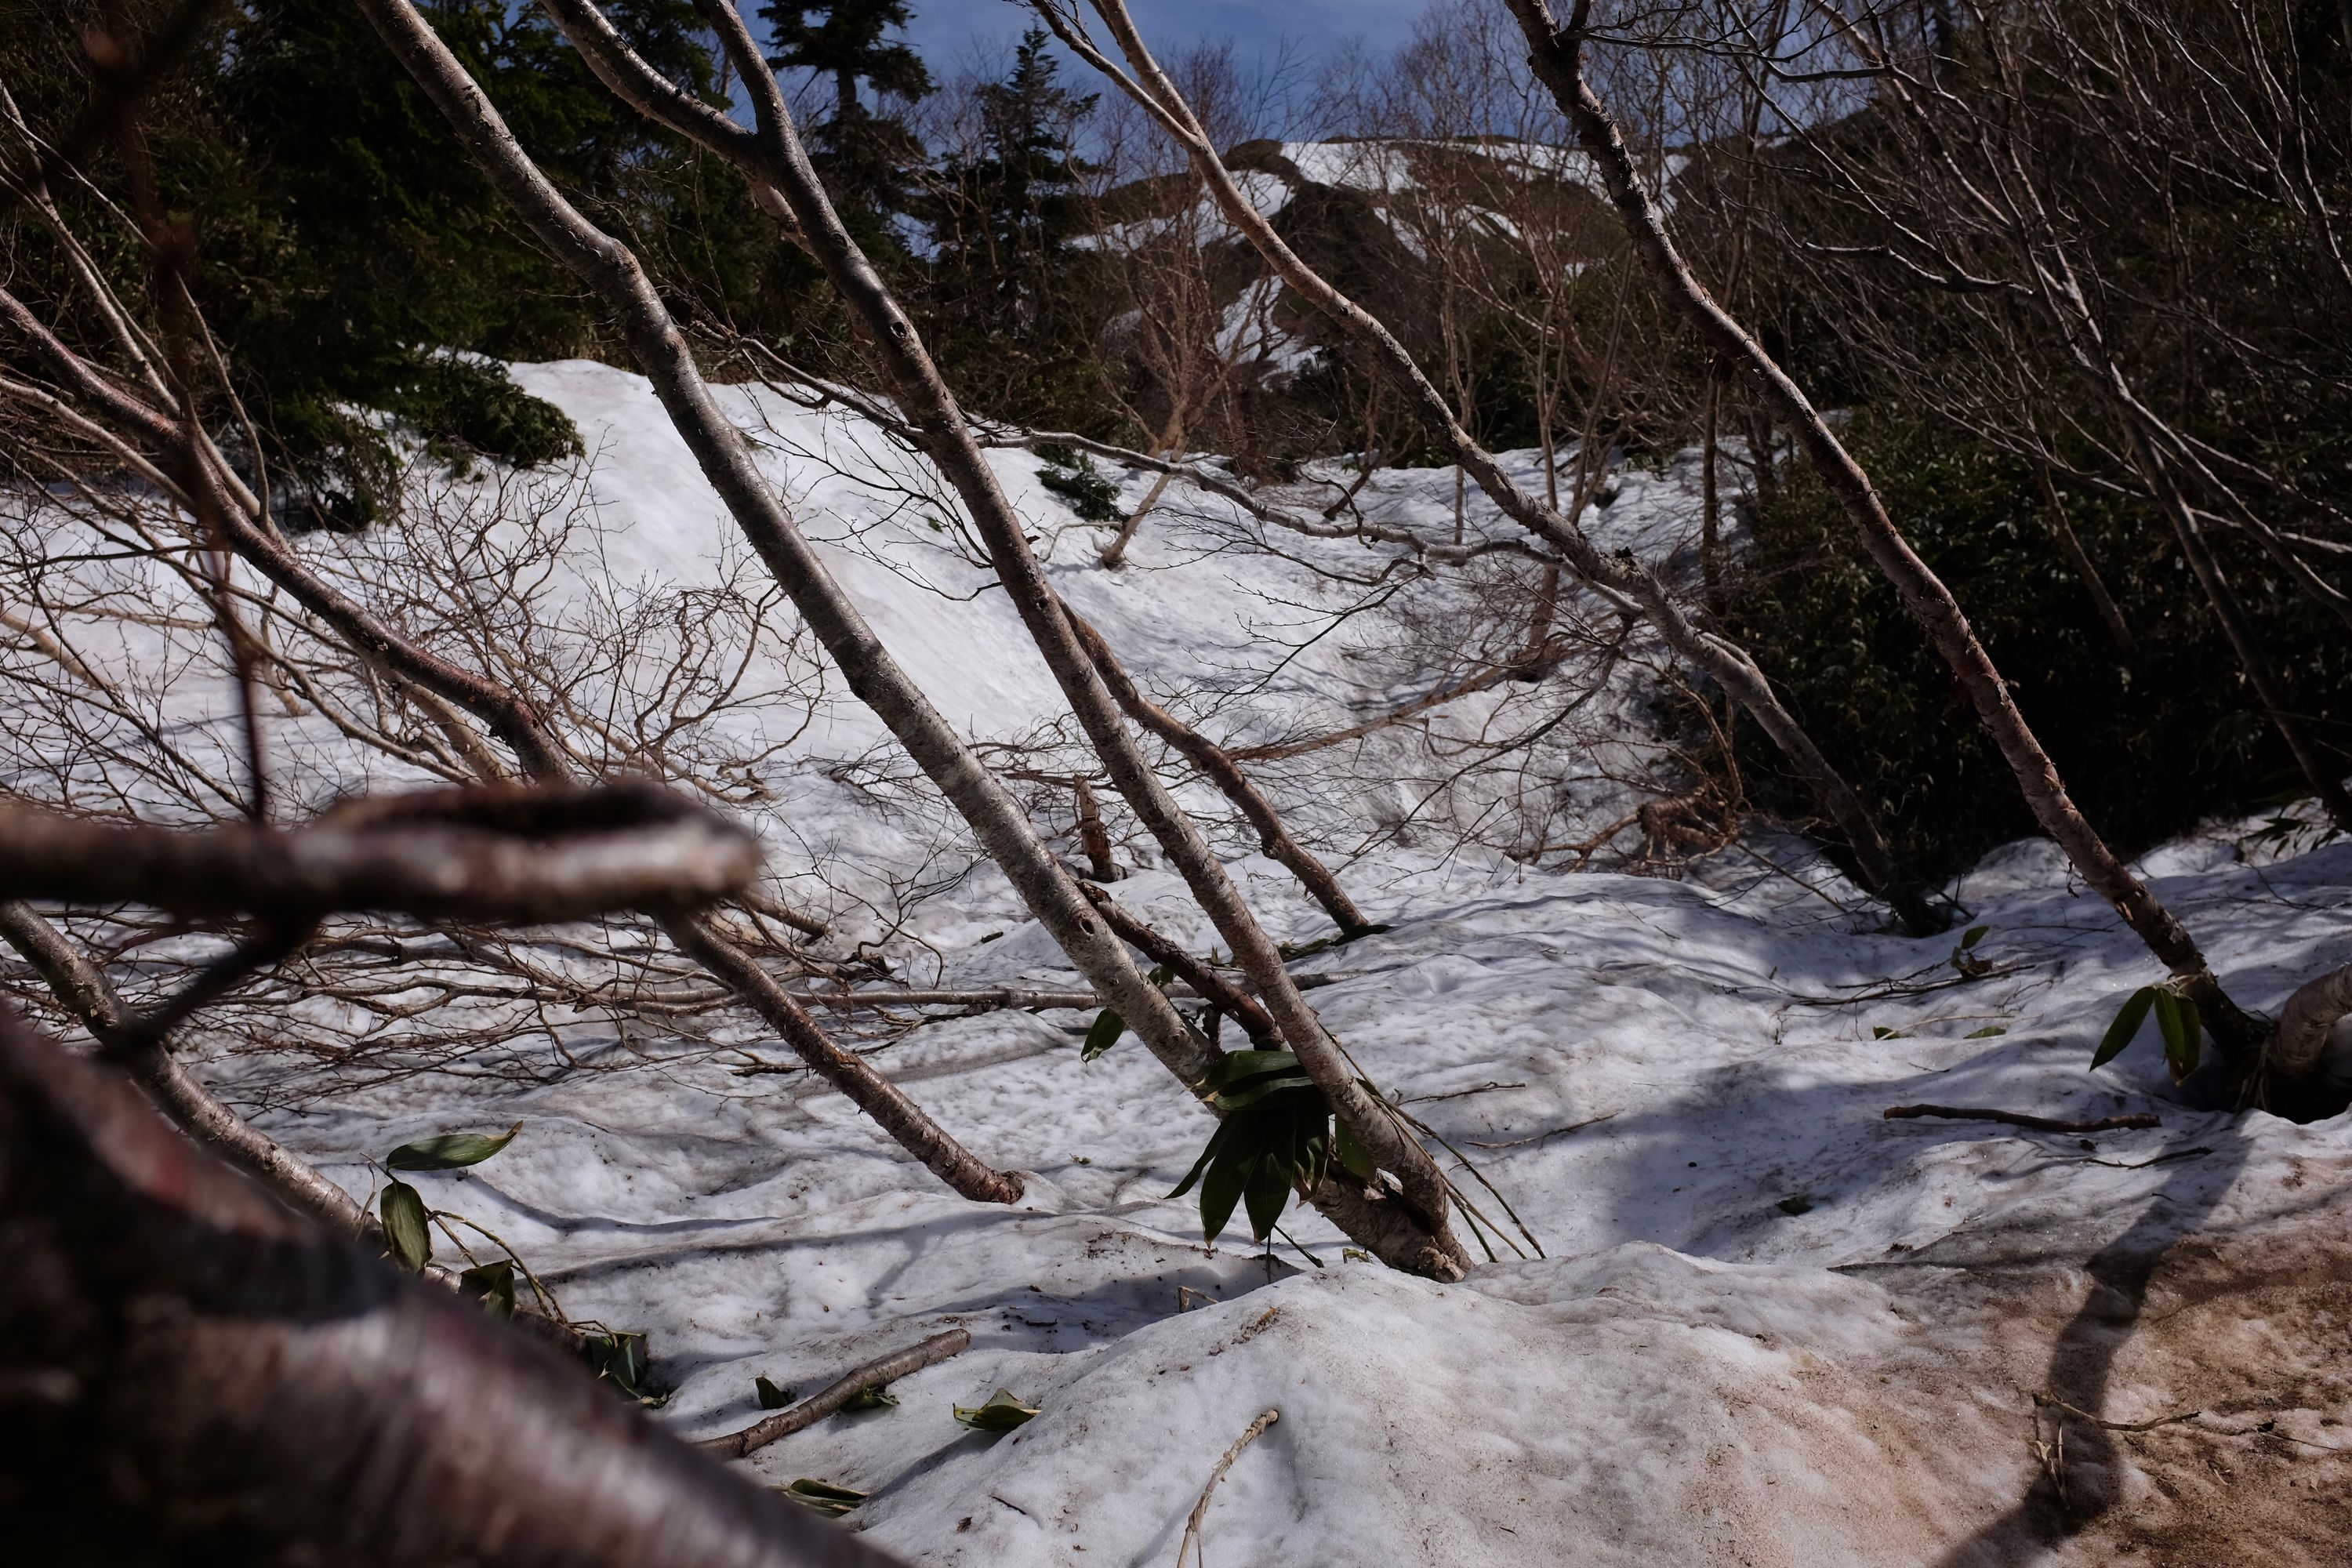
622, 1358
2149, 741
1071, 474
1002, 1413
493, 1285
2176, 1022
407, 1223
1274, 1134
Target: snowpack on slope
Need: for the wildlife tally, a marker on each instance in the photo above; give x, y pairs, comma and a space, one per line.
1767, 1325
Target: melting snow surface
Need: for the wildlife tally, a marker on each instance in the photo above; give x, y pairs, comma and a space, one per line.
1766, 1326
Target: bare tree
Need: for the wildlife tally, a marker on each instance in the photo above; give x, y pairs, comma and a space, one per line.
1558, 55
1405, 1224
1628, 581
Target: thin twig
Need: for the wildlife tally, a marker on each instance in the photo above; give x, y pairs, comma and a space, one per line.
2136, 1119
2051, 1402
1192, 1542
1540, 1137
817, 1407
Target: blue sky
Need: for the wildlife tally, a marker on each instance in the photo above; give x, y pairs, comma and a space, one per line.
943, 29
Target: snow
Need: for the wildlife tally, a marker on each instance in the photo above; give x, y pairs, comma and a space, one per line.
1768, 1326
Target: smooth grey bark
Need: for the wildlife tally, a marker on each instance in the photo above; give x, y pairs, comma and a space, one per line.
771, 157
1619, 577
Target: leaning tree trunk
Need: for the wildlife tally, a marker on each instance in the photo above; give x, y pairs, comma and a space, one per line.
1558, 57
1413, 1232
1217, 765
1617, 576
190, 1372
524, 733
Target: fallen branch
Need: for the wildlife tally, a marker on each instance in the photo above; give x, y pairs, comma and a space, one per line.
1555, 1132
2051, 1402
2136, 1119
817, 1407
532, 856
190, 1364
999, 997
1192, 1542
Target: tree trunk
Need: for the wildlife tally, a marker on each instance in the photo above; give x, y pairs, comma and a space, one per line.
519, 727
774, 157
1218, 768
1710, 502
191, 1373
1618, 577
1558, 60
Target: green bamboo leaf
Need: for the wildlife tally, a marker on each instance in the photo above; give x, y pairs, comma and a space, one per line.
1000, 1414
1238, 1066
877, 1397
1973, 936
824, 1497
1227, 1180
450, 1150
1987, 1033
1218, 1141
2184, 1039
1353, 1156
622, 1358
770, 1397
493, 1285
1270, 1091
407, 1234
1266, 1194
2127, 1022
1109, 1026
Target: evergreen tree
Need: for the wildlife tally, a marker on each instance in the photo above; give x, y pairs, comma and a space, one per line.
864, 156
1029, 183
350, 258
1004, 273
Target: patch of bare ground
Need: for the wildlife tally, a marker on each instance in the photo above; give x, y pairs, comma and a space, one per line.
2179, 1404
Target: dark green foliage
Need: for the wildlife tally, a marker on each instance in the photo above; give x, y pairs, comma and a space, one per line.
467, 407
2177, 1024
407, 1234
493, 1285
1006, 299
865, 157
2146, 744
1071, 474
622, 1357
350, 261
1274, 1134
